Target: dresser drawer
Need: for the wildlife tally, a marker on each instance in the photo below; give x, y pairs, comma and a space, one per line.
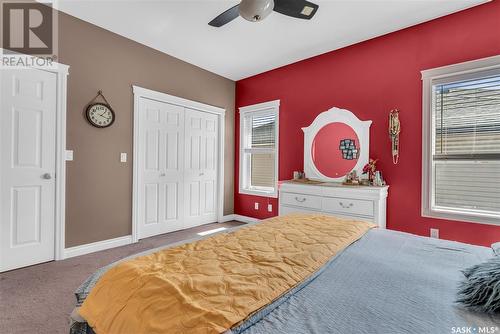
305, 201
348, 206
285, 210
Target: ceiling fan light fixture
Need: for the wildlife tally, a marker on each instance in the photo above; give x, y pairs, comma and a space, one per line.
307, 10
255, 10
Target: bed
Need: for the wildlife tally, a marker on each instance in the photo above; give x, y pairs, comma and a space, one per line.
384, 282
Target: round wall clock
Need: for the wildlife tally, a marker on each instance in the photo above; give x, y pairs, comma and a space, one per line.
100, 115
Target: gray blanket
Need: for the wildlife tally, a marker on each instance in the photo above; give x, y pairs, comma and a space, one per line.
387, 282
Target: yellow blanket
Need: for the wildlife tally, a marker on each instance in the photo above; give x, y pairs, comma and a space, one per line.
210, 285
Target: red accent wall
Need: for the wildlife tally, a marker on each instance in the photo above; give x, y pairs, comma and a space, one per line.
371, 78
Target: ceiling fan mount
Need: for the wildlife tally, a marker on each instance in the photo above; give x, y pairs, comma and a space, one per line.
257, 10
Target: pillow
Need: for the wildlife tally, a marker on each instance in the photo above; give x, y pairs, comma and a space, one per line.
480, 290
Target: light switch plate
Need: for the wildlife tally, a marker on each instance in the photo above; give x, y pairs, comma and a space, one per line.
270, 208
256, 206
123, 157
69, 155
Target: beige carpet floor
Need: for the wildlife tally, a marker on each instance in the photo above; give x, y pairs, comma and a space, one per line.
39, 299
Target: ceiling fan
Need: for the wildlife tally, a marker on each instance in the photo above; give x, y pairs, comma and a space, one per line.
257, 10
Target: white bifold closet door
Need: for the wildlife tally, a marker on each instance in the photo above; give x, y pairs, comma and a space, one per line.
161, 166
200, 167
178, 167
27, 178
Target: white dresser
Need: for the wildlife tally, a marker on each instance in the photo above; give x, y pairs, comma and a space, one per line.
358, 202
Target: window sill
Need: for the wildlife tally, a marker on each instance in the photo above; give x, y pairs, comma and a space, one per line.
262, 193
469, 217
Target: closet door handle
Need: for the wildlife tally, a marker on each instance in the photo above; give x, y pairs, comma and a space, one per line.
300, 200
346, 206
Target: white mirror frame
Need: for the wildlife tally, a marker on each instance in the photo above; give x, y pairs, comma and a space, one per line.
336, 115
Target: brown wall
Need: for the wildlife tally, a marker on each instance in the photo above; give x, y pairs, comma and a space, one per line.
99, 187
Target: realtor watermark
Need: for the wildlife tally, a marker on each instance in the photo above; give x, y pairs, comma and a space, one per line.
28, 34
475, 330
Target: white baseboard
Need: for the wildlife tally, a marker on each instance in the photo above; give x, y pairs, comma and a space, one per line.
97, 246
245, 219
226, 218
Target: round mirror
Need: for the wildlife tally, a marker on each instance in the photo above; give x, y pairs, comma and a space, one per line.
336, 143
335, 150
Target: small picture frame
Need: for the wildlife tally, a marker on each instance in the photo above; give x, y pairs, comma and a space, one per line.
348, 149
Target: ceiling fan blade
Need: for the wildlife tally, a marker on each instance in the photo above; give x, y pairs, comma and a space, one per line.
300, 9
225, 17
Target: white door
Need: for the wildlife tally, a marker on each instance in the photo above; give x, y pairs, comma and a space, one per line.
200, 171
27, 167
161, 167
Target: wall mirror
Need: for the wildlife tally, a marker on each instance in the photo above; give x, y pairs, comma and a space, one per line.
336, 143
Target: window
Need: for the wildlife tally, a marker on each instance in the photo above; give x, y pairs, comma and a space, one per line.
461, 134
259, 149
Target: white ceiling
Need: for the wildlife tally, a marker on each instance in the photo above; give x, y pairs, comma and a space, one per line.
241, 49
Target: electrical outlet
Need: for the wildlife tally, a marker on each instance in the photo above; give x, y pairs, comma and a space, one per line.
270, 208
123, 157
256, 206
435, 233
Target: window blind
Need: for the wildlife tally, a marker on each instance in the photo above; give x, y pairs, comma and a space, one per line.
467, 118
466, 154
263, 128
469, 185
260, 149
262, 170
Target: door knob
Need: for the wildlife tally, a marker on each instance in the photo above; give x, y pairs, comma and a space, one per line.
46, 176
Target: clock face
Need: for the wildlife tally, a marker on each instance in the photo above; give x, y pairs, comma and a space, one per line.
100, 115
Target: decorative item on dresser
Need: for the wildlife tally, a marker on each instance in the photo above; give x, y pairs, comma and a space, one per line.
370, 168
326, 167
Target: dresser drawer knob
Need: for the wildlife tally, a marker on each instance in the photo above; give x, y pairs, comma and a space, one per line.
346, 206
300, 200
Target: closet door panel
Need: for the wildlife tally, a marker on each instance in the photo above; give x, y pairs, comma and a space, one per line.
200, 174
161, 168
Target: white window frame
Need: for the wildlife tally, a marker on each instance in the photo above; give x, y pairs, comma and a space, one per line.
430, 77
266, 108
